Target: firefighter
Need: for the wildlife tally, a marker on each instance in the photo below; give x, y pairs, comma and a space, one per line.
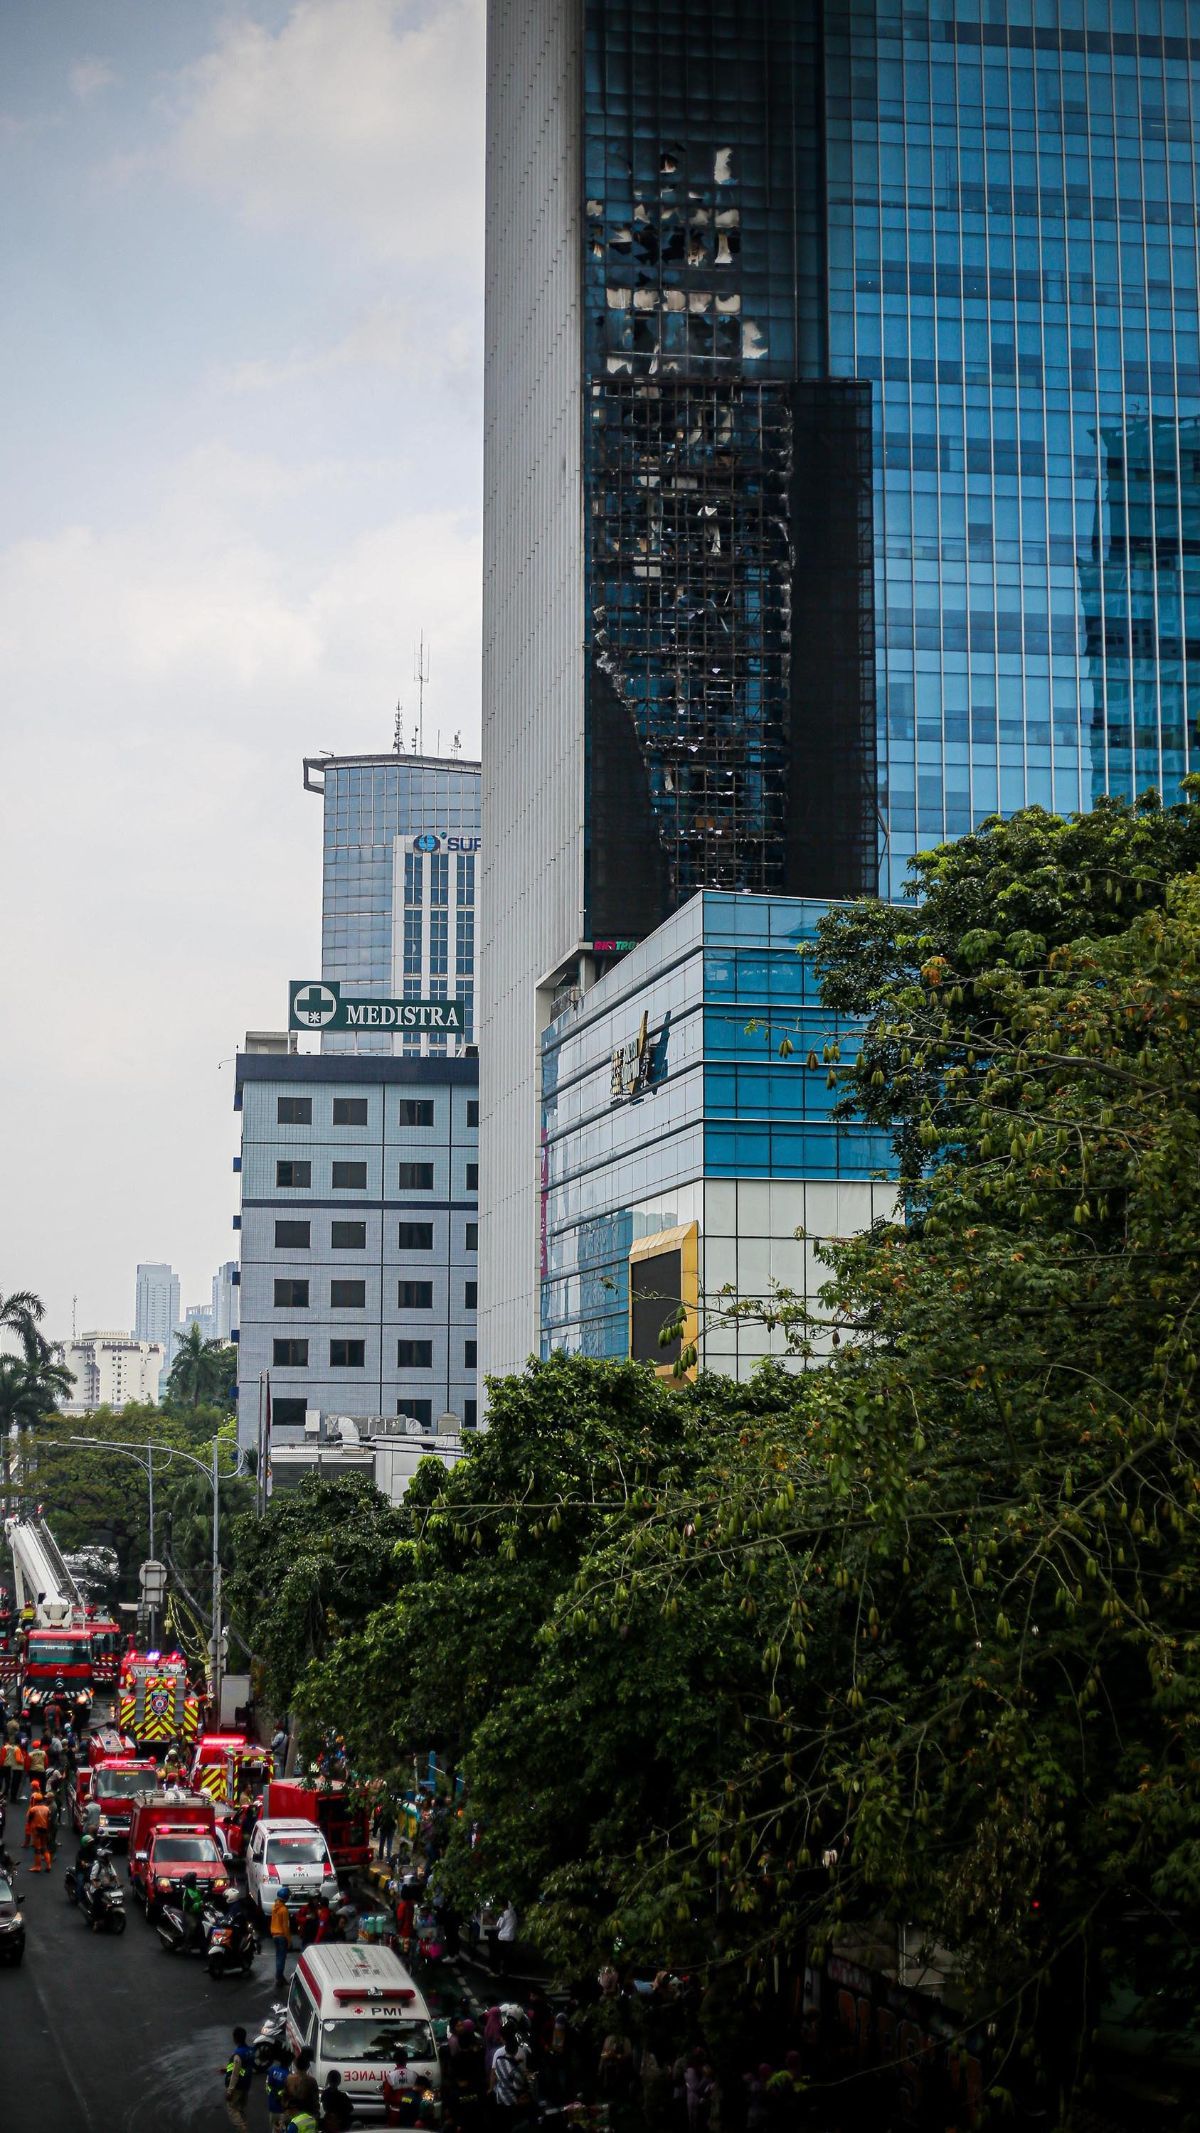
37, 1824
172, 1767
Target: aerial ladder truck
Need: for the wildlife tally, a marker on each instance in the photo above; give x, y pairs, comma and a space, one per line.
56, 1657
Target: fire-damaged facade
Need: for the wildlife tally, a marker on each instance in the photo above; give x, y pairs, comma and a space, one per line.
730, 712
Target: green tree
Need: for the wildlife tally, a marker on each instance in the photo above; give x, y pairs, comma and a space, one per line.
202, 1370
21, 1313
310, 1572
1003, 898
30, 1390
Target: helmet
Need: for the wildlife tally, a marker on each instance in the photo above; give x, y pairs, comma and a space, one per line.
189, 1881
285, 1893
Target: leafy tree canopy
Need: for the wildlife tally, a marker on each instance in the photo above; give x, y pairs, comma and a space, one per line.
311, 1571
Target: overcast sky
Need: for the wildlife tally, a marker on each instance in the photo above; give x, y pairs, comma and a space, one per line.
241, 297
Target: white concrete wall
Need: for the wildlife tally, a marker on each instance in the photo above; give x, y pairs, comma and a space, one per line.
531, 899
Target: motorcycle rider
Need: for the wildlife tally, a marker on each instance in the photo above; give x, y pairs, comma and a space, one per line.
83, 1859
103, 1874
193, 1910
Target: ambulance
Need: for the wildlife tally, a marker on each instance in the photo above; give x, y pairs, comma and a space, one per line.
350, 2007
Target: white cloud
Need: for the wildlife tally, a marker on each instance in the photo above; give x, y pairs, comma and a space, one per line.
90, 77
361, 119
388, 338
162, 683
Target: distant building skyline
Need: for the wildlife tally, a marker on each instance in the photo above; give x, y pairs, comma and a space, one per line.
156, 1308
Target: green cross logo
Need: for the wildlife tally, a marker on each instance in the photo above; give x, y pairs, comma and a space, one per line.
317, 1006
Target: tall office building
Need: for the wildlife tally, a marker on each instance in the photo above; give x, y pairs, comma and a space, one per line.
841, 468
225, 1300
401, 848
156, 1312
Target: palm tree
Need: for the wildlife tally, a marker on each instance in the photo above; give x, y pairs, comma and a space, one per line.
30, 1390
201, 1371
22, 1314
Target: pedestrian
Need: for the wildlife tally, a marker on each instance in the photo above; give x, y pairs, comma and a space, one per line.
493, 2038
508, 2082
405, 1918
397, 2084
387, 1831
337, 2111
239, 2069
35, 1761
506, 1933
12, 1764
300, 2089
276, 2087
279, 1748
281, 1932
698, 2082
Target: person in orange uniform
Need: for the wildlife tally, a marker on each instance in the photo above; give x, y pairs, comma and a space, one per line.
37, 1825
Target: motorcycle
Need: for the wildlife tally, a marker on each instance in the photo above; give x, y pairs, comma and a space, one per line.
232, 1945
272, 2037
103, 1907
176, 1930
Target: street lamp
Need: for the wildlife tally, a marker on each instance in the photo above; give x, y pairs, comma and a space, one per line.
149, 1446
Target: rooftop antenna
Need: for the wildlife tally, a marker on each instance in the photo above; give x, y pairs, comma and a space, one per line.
398, 731
456, 747
421, 676
74, 1303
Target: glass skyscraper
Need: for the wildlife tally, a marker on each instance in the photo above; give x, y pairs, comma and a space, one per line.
401, 846
841, 477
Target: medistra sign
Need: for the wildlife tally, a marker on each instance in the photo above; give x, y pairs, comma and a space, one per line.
319, 1003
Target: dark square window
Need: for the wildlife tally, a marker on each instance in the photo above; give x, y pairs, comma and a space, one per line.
348, 1236
348, 1295
292, 1236
288, 1414
293, 1174
347, 1355
349, 1110
420, 1410
415, 1177
289, 1355
469, 1355
472, 1110
415, 1236
414, 1355
291, 1295
349, 1177
293, 1110
471, 1298
472, 1177
470, 1413
472, 1236
415, 1296
416, 1111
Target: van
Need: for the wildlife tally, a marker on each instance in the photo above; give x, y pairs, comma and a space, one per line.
287, 1852
351, 2006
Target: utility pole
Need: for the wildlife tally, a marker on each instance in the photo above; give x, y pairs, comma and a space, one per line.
216, 1590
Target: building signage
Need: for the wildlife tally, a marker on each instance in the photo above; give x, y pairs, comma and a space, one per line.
631, 1063
429, 841
319, 1003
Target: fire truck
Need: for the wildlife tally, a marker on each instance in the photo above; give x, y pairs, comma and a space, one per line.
108, 1639
114, 1774
154, 1701
57, 1642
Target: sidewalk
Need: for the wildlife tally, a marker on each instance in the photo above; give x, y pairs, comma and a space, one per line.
484, 1984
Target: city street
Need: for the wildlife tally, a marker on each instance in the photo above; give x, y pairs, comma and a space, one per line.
102, 2031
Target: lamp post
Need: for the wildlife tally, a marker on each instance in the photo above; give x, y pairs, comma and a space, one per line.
148, 1447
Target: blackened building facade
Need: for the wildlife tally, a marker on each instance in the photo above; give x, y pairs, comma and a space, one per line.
841, 477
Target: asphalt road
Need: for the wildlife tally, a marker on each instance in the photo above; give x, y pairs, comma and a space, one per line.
99, 2033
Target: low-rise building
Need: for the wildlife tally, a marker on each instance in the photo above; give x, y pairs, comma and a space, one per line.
686, 1161
112, 1369
359, 1238
386, 1448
